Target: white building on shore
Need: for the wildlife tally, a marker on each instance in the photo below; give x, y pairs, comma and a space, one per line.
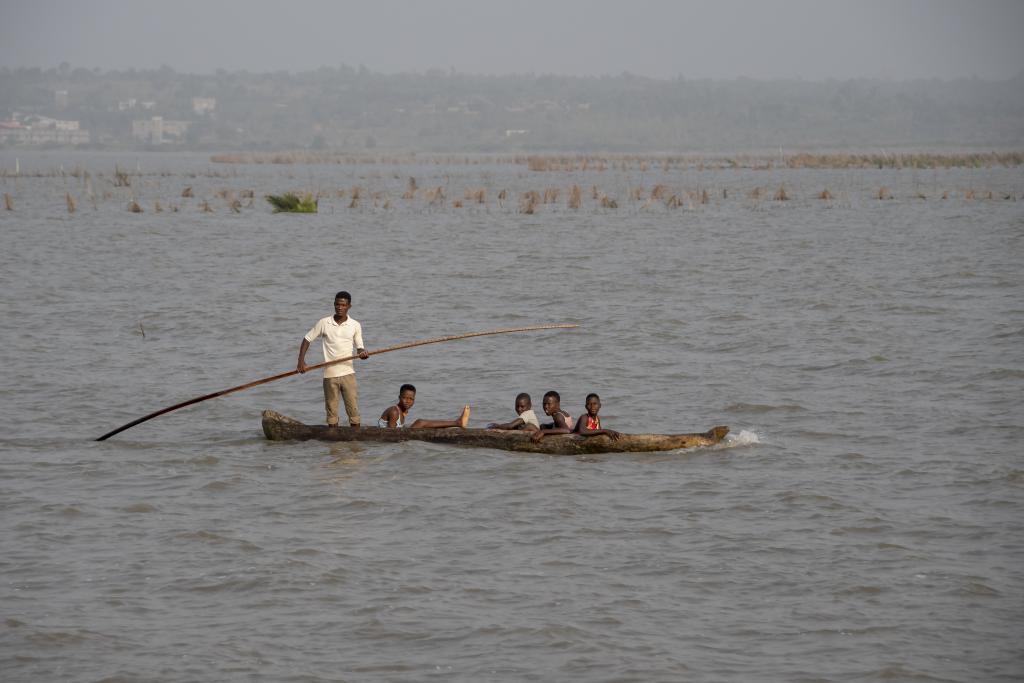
41, 130
159, 131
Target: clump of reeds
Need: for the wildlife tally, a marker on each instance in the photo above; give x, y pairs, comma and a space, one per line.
780, 194
636, 194
288, 202
156, 206
410, 189
575, 197
704, 197
246, 194
206, 208
434, 196
502, 196
925, 160
456, 203
70, 201
121, 179
921, 195
528, 202
8, 202
825, 195
134, 207
187, 192
658, 192
674, 202
236, 206
537, 164
474, 194
883, 193
756, 193
608, 203
551, 195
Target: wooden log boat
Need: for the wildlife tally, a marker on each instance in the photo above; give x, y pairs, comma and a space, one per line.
277, 427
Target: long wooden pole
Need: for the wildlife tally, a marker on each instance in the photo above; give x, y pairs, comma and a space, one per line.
272, 378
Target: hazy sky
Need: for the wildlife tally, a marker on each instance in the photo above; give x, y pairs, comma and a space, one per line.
763, 39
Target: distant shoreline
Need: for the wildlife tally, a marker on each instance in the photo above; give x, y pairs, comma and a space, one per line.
895, 158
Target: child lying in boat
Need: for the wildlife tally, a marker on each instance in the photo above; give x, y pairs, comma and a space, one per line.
396, 415
561, 421
527, 420
588, 424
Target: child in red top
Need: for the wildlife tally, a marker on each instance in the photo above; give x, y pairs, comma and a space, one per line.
590, 424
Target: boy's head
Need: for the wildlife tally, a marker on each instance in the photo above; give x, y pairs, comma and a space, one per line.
342, 302
593, 403
523, 403
406, 397
552, 402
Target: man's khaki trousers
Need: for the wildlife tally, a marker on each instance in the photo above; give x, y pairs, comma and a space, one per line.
343, 387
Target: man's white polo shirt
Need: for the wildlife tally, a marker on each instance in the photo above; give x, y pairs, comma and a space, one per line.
339, 341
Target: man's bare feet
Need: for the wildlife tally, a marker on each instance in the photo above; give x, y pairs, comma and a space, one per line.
464, 418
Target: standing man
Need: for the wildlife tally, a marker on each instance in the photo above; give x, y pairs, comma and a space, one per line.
341, 334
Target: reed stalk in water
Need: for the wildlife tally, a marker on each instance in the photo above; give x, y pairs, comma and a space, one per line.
575, 197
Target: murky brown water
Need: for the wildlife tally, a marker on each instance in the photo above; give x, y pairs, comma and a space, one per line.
866, 524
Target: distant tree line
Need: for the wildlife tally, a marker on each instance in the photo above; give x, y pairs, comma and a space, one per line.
355, 109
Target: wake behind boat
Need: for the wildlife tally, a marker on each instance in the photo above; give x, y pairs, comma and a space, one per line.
278, 427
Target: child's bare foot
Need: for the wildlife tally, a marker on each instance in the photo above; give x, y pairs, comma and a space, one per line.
464, 418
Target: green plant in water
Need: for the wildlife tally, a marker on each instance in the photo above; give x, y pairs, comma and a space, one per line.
289, 202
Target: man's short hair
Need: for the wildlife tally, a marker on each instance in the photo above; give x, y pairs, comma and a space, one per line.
406, 387
590, 396
343, 295
524, 395
554, 395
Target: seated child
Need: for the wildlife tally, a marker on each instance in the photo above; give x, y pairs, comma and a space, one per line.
396, 415
561, 421
590, 424
527, 420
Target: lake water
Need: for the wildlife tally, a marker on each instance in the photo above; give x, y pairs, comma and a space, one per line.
864, 522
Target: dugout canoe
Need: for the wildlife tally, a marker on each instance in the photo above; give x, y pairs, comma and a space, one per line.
278, 427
